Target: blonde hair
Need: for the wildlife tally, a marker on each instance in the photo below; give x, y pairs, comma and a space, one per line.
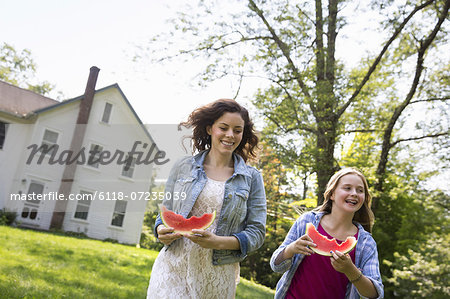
364, 215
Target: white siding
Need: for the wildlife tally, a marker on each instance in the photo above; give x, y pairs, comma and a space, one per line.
61, 120
16, 139
120, 134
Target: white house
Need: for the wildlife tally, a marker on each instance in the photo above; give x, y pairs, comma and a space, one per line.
104, 191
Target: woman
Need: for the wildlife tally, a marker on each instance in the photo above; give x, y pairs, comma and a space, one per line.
205, 264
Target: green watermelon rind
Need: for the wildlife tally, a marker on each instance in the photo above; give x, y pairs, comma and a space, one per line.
163, 209
311, 230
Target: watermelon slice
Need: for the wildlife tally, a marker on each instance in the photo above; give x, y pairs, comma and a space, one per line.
325, 245
185, 226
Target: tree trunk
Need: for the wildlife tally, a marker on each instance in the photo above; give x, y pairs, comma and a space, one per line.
326, 141
324, 106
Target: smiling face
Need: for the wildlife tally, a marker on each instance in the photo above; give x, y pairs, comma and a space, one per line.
226, 133
349, 193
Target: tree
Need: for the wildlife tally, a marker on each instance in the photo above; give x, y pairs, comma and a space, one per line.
424, 43
386, 113
312, 94
413, 240
279, 217
423, 272
19, 69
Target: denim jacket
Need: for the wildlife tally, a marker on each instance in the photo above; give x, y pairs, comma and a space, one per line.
366, 258
243, 212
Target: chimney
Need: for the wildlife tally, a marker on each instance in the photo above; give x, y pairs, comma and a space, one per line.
86, 103
75, 146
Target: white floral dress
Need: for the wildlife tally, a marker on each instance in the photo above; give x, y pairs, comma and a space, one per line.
186, 270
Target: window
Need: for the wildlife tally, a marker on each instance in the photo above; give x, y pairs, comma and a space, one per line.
119, 213
128, 167
94, 155
3, 128
49, 141
83, 204
107, 113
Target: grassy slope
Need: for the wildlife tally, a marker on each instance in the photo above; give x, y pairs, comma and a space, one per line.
44, 265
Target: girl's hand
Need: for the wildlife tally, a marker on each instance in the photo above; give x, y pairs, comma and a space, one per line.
342, 262
204, 238
299, 246
166, 235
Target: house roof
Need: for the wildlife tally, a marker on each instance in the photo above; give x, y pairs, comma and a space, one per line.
115, 85
20, 102
23, 103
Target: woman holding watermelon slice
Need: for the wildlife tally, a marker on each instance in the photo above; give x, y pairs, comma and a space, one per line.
345, 214
205, 263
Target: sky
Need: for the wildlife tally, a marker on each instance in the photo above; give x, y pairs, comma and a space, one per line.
67, 37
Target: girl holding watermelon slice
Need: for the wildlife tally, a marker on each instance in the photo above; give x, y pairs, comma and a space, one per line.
344, 214
204, 263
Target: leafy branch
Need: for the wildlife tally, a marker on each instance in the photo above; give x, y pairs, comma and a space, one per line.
392, 144
283, 47
387, 145
374, 65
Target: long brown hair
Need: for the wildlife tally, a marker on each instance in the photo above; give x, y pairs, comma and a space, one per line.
206, 115
364, 215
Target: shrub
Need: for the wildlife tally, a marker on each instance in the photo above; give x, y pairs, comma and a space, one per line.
149, 241
7, 217
73, 234
110, 240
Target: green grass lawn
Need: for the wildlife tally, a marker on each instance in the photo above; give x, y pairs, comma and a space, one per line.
46, 265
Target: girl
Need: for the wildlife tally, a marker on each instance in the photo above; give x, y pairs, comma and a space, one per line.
206, 264
345, 212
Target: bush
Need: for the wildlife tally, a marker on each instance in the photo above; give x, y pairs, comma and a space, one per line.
149, 241
110, 240
423, 273
73, 234
6, 217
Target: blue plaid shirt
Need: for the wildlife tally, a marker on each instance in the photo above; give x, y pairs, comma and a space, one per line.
366, 258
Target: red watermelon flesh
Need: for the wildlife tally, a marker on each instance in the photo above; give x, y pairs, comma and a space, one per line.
325, 245
185, 226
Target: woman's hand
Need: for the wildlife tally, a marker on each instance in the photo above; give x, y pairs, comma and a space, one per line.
210, 240
166, 234
204, 238
301, 245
